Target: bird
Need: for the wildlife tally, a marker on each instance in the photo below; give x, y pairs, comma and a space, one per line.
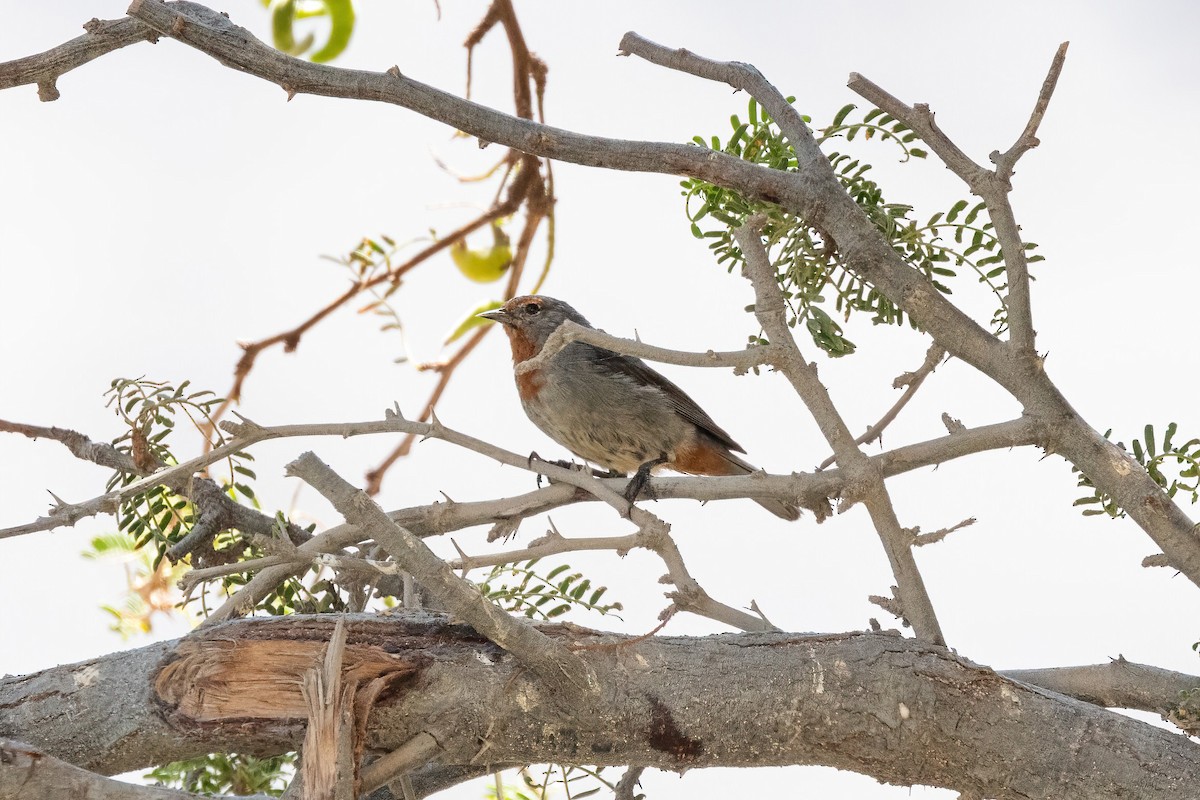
611, 409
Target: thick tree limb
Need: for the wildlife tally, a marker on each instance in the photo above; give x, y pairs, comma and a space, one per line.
873, 703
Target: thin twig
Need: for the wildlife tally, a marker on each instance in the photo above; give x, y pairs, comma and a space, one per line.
1007, 161
739, 360
913, 381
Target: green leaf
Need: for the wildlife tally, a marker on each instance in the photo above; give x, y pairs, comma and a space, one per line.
341, 18
472, 320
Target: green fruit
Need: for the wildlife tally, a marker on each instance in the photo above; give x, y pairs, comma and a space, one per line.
483, 266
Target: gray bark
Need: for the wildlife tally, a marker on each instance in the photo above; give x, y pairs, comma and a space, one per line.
901, 711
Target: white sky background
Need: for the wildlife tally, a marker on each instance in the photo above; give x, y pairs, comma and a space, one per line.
167, 207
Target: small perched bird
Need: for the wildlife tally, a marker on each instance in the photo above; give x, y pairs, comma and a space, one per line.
611, 409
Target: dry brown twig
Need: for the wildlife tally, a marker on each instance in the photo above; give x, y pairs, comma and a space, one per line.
528, 189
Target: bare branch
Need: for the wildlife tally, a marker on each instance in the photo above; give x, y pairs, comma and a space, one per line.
248, 433
1028, 139
1120, 684
740, 360
741, 76
216, 509
429, 520
416, 751
627, 784
689, 595
921, 119
80, 446
991, 185
865, 481
28, 773
44, 69
551, 544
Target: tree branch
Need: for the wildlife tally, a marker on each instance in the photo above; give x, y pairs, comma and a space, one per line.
740, 360
991, 185
1120, 684
27, 773
44, 69
865, 481
860, 701
814, 194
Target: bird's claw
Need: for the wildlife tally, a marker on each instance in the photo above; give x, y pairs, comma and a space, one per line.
533, 456
641, 479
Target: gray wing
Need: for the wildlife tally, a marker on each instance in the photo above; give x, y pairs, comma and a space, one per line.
636, 369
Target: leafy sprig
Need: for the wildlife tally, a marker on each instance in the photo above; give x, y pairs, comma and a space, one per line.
520, 589
150, 410
808, 263
227, 773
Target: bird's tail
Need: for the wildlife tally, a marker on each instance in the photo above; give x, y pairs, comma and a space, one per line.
779, 508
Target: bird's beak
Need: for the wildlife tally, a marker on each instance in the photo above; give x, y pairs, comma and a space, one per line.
497, 315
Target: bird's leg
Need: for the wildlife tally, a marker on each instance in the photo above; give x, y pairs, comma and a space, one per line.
640, 478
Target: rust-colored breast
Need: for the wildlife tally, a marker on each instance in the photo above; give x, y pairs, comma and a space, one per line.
529, 384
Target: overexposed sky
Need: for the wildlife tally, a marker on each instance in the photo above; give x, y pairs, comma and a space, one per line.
166, 207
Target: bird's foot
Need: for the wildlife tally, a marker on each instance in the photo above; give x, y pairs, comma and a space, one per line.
568, 465
641, 479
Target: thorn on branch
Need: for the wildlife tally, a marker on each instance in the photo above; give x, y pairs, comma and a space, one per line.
633, 775
892, 605
921, 539
754, 607
48, 90
953, 425
506, 528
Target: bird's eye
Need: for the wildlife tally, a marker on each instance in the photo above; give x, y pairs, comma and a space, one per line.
531, 308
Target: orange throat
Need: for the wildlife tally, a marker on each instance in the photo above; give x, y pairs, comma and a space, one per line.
528, 383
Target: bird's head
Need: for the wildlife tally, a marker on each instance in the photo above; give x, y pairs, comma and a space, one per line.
533, 318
